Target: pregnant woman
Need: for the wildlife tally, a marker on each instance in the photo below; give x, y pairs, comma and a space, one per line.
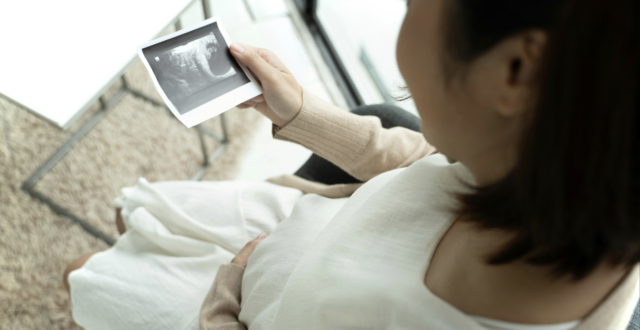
526, 216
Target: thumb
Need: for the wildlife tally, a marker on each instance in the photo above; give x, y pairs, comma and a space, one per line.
252, 60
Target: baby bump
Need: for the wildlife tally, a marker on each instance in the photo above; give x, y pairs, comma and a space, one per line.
277, 256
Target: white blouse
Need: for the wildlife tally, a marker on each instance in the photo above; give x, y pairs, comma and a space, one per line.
360, 263
492, 324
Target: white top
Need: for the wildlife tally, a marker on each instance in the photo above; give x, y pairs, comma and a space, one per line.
60, 56
361, 262
337, 264
492, 324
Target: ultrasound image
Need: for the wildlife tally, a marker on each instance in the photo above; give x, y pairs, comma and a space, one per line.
191, 68
194, 68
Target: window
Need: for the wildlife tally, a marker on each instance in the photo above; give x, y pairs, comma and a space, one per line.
358, 38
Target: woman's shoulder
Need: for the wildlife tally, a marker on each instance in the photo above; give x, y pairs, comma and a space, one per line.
443, 165
436, 173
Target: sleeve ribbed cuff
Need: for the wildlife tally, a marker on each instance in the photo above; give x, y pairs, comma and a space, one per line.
336, 135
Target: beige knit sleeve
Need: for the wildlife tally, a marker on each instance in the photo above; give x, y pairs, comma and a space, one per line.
357, 144
221, 307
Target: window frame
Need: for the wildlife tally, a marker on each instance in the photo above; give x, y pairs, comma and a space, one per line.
308, 10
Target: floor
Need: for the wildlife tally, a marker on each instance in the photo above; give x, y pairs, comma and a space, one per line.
134, 140
268, 24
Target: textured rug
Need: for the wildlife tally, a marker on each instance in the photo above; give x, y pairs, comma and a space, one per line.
134, 140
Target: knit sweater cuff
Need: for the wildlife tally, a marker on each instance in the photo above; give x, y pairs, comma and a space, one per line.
221, 306
232, 271
337, 135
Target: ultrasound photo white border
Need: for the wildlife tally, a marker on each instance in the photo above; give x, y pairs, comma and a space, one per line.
215, 106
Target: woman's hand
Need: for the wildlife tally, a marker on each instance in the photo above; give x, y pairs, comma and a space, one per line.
242, 256
281, 100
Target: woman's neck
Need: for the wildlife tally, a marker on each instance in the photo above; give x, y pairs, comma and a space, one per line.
516, 292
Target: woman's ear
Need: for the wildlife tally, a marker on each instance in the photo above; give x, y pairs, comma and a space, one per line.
519, 60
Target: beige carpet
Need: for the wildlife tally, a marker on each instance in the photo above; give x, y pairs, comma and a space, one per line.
134, 140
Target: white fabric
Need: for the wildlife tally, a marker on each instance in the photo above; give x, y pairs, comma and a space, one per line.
356, 263
178, 234
364, 267
492, 324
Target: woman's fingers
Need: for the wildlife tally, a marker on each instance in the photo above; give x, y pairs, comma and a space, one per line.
281, 100
244, 106
272, 59
269, 57
259, 98
244, 254
249, 104
249, 57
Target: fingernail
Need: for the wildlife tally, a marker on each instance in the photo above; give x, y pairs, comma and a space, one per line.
237, 48
262, 235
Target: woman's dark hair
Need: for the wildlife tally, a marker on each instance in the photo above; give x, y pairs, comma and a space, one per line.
573, 198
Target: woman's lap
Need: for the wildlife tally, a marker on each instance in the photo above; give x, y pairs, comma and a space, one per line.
178, 234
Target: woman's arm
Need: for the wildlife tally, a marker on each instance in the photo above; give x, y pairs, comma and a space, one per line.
359, 145
221, 306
